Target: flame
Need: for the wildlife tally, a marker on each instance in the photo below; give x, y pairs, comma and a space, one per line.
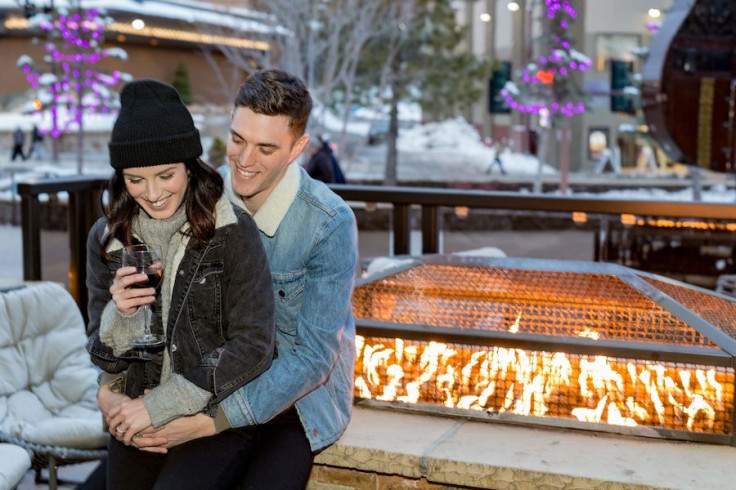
687, 224
596, 389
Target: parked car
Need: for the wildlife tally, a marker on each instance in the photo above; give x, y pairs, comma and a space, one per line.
378, 131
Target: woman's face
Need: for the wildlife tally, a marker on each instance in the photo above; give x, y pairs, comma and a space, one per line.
159, 190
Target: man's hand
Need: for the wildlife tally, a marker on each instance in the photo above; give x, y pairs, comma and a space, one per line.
176, 432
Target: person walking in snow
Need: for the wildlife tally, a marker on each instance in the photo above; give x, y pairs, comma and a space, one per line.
37, 149
499, 148
19, 140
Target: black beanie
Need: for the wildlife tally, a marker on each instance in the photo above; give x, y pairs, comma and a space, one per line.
153, 127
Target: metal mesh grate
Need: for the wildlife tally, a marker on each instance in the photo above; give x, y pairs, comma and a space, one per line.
720, 312
598, 389
558, 303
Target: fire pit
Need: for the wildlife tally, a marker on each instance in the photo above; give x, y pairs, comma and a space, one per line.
573, 344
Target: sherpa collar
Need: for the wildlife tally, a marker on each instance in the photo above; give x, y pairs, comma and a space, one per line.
272, 212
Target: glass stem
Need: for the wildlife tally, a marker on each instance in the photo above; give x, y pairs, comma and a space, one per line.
146, 320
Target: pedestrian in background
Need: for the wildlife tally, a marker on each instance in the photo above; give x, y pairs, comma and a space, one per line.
19, 140
37, 149
319, 166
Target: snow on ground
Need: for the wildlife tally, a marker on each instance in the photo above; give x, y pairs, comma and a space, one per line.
92, 122
717, 193
462, 140
453, 137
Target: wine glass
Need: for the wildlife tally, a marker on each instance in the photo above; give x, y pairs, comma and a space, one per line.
146, 259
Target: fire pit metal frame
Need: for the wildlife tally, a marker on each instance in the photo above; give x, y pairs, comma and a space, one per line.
723, 356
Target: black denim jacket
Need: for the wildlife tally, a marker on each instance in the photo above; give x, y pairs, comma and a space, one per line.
220, 330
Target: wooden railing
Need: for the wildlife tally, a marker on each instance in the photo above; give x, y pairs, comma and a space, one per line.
84, 208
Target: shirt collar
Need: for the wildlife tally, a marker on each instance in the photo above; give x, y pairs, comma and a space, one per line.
272, 211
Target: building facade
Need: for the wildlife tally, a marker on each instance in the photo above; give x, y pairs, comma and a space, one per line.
605, 31
218, 44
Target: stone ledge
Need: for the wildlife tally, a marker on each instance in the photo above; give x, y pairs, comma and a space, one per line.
437, 452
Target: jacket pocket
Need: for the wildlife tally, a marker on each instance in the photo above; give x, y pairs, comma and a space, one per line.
288, 294
205, 293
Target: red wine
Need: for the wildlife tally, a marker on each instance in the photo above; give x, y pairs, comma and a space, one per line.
154, 279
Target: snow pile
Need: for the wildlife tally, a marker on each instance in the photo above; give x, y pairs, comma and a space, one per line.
717, 193
458, 138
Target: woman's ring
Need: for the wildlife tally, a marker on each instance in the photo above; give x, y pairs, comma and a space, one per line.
119, 431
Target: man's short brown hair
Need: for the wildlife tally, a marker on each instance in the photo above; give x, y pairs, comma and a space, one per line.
277, 93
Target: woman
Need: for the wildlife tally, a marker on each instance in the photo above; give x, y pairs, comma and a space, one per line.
214, 305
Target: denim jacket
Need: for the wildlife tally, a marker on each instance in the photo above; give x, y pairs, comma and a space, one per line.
310, 237
220, 329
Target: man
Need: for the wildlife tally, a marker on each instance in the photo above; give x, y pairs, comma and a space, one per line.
319, 166
19, 140
302, 403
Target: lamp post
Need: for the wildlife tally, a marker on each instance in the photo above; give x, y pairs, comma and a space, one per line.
490, 36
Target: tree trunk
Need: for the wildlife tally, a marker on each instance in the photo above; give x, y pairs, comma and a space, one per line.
393, 133
564, 155
541, 158
393, 125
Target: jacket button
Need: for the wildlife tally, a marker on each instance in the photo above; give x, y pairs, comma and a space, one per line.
282, 293
173, 347
315, 433
181, 273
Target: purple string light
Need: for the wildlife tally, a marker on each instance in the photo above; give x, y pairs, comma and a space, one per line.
557, 62
78, 32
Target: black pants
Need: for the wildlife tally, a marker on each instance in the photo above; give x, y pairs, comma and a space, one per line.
275, 455
17, 150
283, 459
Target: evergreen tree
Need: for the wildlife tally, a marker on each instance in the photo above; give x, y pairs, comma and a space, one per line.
420, 62
217, 152
182, 83
67, 86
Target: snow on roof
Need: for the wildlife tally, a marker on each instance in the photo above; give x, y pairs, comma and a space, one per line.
199, 12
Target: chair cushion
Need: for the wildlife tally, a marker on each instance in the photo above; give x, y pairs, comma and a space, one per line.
48, 384
14, 463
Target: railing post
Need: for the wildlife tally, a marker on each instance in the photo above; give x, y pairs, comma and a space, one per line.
430, 229
602, 241
31, 231
84, 208
402, 229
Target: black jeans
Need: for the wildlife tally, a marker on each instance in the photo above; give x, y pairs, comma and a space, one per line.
283, 459
275, 455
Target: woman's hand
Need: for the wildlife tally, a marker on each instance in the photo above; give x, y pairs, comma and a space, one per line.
108, 399
128, 419
126, 298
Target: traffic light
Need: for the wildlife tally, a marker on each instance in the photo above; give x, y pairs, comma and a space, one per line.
621, 72
496, 102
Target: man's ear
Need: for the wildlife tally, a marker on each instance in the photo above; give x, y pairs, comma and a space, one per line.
299, 146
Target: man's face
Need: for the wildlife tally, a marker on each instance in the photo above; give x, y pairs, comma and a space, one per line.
259, 151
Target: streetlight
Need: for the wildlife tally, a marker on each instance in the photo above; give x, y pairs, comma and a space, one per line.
513, 6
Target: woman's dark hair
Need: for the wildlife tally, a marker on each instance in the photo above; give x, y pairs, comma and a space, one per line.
204, 189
